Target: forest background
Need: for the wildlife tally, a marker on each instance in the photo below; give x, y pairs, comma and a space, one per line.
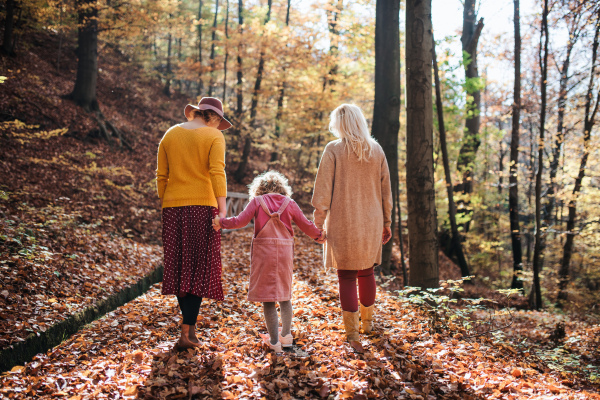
280, 68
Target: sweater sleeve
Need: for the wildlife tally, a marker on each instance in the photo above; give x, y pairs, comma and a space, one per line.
241, 220
216, 167
386, 194
306, 226
162, 170
323, 191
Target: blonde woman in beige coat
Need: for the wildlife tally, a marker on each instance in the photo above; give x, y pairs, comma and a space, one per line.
353, 204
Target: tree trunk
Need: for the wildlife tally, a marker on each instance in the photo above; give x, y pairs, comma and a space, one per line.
422, 226
211, 86
167, 88
241, 170
401, 239
386, 110
588, 124
84, 93
468, 151
240, 76
8, 44
333, 16
280, 99
226, 51
456, 240
200, 81
513, 191
536, 291
560, 130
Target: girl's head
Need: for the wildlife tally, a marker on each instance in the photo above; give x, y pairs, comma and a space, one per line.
348, 123
269, 182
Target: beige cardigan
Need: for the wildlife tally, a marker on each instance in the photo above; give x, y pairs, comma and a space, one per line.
353, 202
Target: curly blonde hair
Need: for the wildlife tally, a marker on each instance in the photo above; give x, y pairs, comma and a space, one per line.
269, 182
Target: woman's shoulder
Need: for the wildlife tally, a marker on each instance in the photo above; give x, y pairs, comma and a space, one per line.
377, 147
335, 146
207, 130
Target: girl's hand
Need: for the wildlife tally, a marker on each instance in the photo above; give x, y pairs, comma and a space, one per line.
323, 238
215, 223
386, 235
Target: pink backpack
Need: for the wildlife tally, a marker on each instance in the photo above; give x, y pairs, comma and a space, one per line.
272, 259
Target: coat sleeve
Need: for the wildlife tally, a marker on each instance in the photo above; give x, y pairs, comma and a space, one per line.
241, 220
386, 194
323, 191
162, 170
306, 226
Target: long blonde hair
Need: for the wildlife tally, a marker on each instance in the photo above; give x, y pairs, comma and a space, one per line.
348, 123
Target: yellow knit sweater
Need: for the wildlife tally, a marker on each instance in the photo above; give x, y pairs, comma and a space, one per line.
191, 167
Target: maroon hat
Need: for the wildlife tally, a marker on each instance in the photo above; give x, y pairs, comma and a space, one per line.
213, 104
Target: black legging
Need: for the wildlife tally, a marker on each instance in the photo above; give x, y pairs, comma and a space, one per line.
189, 306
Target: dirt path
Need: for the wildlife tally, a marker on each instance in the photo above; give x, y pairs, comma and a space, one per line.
129, 351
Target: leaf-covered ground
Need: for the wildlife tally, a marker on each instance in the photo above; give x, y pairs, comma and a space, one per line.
129, 351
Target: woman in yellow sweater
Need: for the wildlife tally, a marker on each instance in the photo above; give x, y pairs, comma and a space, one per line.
192, 185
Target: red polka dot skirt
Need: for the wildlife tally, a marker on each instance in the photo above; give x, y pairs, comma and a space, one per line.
192, 251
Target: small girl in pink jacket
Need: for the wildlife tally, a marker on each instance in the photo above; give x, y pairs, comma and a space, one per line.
272, 251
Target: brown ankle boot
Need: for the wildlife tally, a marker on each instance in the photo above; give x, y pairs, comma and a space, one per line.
192, 335
184, 341
351, 325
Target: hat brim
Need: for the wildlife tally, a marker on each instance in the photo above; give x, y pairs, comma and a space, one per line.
225, 124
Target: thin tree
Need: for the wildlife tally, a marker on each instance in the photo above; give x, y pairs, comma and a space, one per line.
588, 124
422, 225
456, 240
513, 191
8, 43
211, 85
168, 72
241, 170
574, 16
200, 81
281, 97
240, 74
466, 156
386, 110
333, 15
226, 51
535, 298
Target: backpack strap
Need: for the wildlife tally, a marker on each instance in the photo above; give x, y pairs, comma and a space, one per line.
264, 206
284, 205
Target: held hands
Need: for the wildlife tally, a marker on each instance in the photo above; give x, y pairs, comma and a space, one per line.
215, 223
323, 238
386, 235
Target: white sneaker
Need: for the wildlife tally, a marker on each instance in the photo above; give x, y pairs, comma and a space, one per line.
275, 347
287, 340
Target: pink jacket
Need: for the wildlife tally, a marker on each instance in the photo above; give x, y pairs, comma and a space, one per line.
273, 201
272, 250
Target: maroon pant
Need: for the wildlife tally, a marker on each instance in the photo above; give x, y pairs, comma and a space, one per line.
347, 286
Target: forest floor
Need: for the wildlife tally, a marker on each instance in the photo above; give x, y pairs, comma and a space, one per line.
130, 352
79, 221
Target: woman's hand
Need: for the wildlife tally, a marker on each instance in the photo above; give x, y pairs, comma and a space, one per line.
222, 202
215, 223
386, 235
323, 238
